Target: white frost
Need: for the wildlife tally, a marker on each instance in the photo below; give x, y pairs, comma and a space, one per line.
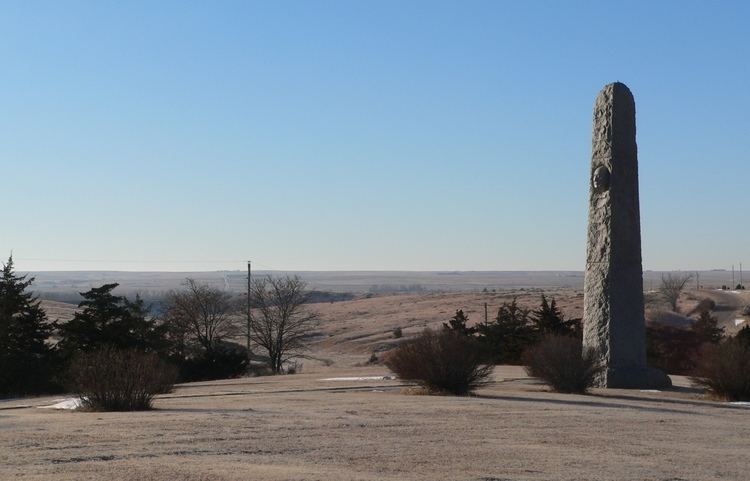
363, 378
650, 390
737, 322
740, 403
67, 403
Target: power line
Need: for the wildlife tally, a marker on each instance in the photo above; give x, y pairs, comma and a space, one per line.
143, 261
168, 261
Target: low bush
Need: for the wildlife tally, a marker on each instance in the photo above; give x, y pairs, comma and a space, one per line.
228, 360
440, 361
561, 362
398, 333
724, 370
111, 379
677, 350
672, 349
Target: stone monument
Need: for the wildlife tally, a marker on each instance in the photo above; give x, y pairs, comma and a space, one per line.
613, 314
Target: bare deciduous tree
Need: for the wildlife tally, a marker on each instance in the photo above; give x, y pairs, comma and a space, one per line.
280, 320
671, 287
202, 314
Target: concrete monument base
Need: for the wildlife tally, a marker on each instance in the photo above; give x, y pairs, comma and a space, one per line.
635, 378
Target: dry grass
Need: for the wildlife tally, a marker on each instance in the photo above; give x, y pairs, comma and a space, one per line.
440, 361
353, 330
59, 310
301, 428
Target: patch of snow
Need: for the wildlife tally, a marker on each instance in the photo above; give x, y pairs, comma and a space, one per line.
740, 403
363, 378
737, 322
650, 390
67, 403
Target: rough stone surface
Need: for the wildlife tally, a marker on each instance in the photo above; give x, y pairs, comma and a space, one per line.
613, 313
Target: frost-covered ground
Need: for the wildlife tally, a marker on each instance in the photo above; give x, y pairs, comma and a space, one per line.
301, 428
66, 403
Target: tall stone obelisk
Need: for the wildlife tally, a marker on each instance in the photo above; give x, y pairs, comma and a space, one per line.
613, 312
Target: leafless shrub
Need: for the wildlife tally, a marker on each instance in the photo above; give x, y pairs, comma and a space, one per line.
440, 361
671, 287
561, 363
724, 370
281, 323
398, 333
113, 379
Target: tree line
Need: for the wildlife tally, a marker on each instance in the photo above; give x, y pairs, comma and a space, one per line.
458, 358
196, 332
504, 338
515, 329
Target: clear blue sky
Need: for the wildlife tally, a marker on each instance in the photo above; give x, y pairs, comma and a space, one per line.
363, 135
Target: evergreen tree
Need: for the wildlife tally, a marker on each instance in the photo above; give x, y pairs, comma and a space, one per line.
457, 323
744, 335
707, 329
548, 319
506, 337
105, 319
26, 360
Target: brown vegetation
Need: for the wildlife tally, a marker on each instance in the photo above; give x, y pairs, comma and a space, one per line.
112, 379
677, 350
724, 370
561, 362
440, 361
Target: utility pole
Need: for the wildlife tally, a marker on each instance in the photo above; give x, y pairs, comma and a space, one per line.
485, 313
743, 285
697, 280
733, 284
249, 314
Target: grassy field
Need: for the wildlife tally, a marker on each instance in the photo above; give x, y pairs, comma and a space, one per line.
351, 331
304, 428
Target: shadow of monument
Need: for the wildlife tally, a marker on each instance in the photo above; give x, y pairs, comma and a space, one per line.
588, 403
